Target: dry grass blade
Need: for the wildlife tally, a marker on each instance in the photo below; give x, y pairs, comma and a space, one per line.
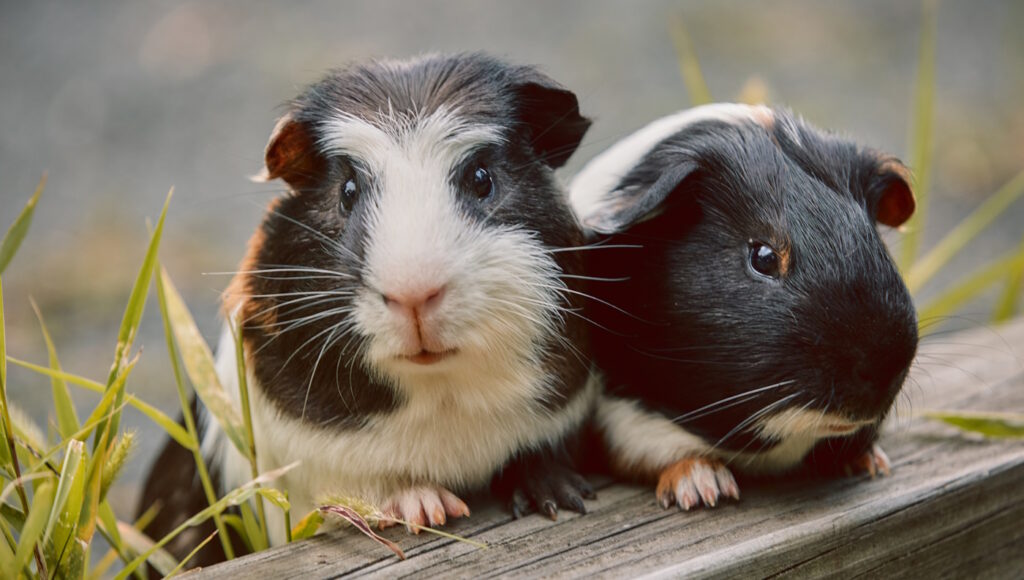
31, 532
358, 522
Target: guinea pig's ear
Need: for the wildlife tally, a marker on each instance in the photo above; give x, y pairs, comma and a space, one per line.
292, 155
633, 203
891, 188
551, 114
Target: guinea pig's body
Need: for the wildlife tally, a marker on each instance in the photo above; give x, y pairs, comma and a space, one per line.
403, 306
752, 317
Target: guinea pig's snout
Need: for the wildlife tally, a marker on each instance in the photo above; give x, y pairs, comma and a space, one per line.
877, 372
414, 302
415, 307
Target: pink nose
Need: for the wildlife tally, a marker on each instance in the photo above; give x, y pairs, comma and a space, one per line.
414, 302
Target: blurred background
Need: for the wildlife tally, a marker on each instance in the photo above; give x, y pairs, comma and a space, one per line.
120, 100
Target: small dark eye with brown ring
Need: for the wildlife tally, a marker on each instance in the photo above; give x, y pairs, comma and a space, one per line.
764, 260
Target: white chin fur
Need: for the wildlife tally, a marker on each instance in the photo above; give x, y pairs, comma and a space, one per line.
601, 175
435, 437
640, 440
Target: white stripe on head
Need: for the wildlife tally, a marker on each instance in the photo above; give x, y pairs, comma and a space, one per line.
602, 174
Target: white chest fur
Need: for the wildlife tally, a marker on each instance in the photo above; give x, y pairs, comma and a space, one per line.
435, 437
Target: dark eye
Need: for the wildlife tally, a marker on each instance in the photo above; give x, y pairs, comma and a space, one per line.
480, 183
764, 260
348, 192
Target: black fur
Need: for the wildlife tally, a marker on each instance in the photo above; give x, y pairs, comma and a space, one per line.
703, 325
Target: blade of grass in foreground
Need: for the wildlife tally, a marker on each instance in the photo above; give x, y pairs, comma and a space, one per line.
133, 316
35, 523
985, 423
235, 497
14, 236
964, 232
921, 134
186, 411
689, 64
1007, 303
200, 367
156, 415
67, 419
10, 455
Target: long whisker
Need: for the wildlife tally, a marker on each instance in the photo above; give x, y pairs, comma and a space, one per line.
728, 402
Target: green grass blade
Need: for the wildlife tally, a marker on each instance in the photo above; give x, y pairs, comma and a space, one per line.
156, 415
689, 64
243, 395
71, 469
1009, 425
964, 232
133, 313
189, 420
235, 497
307, 526
139, 543
948, 301
14, 236
31, 533
191, 555
63, 531
1006, 306
257, 537
199, 366
921, 134
67, 419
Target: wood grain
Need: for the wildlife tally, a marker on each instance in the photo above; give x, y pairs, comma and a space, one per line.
953, 507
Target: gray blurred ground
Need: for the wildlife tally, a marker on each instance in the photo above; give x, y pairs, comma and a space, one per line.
118, 101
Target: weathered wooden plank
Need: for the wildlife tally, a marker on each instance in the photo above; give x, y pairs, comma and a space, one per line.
952, 507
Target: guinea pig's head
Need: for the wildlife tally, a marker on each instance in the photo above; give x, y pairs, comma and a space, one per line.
773, 298
418, 231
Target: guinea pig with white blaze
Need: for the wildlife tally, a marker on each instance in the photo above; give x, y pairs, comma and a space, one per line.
404, 304
753, 319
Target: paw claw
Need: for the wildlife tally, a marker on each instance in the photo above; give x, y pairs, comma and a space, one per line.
550, 509
695, 480
421, 507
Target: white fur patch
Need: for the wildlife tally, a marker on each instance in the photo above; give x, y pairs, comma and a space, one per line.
590, 187
456, 442
650, 442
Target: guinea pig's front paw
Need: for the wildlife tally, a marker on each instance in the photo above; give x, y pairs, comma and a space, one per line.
544, 488
423, 506
874, 462
694, 479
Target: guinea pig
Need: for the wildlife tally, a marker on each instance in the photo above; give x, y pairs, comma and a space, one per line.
405, 304
749, 316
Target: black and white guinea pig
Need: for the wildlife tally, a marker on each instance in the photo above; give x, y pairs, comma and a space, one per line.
753, 318
404, 304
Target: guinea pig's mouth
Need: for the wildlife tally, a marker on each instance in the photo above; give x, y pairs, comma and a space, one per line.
429, 357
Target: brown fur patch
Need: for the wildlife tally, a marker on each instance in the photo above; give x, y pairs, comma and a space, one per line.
237, 297
292, 155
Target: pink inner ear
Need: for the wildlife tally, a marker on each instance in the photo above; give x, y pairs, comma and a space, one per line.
896, 204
